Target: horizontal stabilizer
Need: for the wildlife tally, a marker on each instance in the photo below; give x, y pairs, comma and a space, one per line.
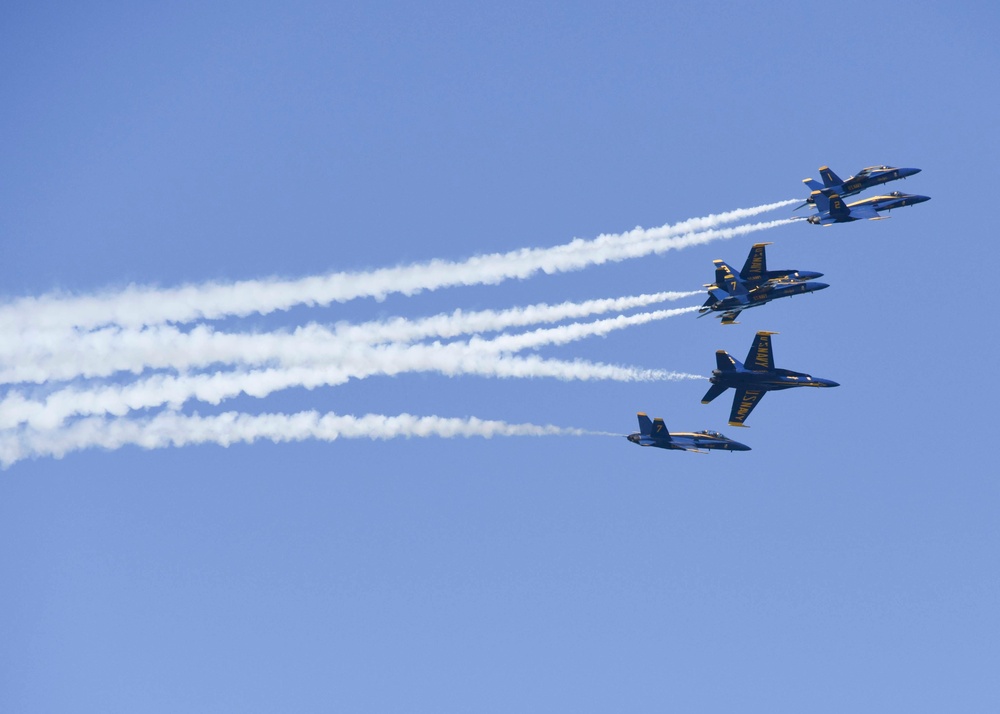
713, 391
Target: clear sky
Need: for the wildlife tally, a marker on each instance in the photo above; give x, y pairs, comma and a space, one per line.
847, 563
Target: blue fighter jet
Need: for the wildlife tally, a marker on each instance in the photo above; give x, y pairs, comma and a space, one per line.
755, 272
865, 178
752, 382
753, 286
654, 433
831, 209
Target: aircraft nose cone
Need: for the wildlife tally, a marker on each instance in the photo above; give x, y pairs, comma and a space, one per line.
921, 199
737, 446
807, 275
828, 383
819, 286
903, 173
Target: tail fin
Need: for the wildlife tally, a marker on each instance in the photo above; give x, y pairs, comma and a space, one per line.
726, 280
830, 179
660, 430
725, 362
645, 425
835, 205
813, 184
822, 201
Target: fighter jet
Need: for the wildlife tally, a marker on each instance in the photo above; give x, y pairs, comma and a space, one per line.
755, 272
753, 286
654, 433
752, 382
865, 178
831, 208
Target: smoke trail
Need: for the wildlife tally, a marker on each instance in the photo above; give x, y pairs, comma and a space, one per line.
110, 350
330, 365
173, 429
139, 306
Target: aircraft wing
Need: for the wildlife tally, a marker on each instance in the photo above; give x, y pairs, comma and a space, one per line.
729, 317
743, 403
761, 356
864, 211
756, 265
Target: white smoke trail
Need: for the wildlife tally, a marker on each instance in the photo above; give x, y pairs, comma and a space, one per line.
173, 429
110, 350
139, 306
312, 366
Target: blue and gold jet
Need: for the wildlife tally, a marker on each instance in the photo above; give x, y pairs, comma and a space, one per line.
866, 178
831, 209
753, 380
654, 433
753, 286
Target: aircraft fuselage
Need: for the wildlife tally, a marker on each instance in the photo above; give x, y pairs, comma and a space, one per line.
767, 381
687, 441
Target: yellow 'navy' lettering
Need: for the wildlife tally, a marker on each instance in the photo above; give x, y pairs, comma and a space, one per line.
763, 352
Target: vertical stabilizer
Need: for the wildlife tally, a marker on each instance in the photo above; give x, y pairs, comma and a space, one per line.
726, 279
838, 209
830, 179
725, 362
660, 430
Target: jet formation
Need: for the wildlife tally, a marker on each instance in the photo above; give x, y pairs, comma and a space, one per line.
753, 286
827, 198
866, 178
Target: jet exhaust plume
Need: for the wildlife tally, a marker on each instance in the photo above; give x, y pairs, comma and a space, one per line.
138, 306
330, 365
173, 429
110, 350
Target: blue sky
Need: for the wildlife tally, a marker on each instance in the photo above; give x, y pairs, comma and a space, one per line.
847, 562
